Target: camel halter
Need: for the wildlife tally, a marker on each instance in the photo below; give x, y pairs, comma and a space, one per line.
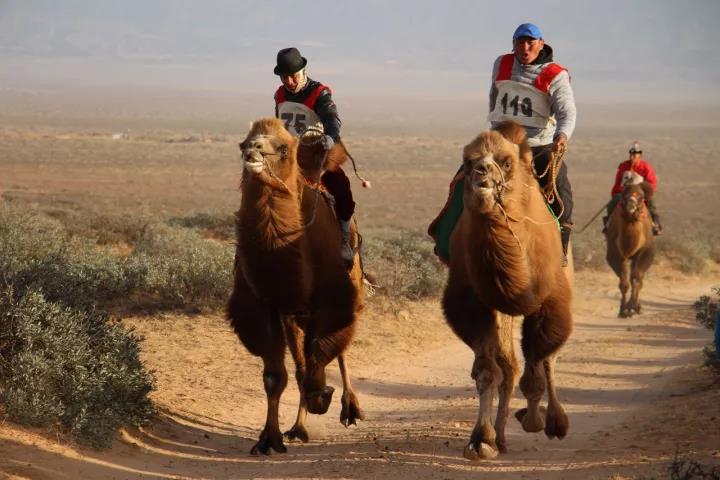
274, 176
499, 190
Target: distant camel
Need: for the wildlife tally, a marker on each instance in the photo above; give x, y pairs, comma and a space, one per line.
505, 260
630, 248
291, 288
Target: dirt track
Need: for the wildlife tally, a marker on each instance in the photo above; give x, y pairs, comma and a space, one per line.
632, 388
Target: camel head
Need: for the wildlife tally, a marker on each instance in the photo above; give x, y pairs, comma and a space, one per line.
269, 154
633, 200
496, 164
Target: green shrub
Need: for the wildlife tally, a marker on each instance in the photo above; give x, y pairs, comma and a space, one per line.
219, 225
184, 269
404, 265
68, 367
36, 254
686, 254
706, 308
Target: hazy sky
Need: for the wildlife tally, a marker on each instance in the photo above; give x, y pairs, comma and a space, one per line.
645, 51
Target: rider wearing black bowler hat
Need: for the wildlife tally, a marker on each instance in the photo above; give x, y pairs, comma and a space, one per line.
301, 103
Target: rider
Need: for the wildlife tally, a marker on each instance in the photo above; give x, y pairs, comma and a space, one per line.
528, 88
634, 170
302, 102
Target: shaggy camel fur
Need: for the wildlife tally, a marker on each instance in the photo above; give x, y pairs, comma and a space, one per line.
291, 288
630, 249
504, 255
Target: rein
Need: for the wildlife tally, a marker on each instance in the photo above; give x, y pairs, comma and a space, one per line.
550, 191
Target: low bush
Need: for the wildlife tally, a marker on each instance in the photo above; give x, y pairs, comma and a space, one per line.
404, 265
183, 269
69, 367
218, 225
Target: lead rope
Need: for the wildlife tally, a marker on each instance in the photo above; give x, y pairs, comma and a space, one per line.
550, 191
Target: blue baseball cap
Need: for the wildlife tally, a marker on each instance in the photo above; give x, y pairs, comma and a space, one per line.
527, 30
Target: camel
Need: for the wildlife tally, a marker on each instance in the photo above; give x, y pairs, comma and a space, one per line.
291, 289
630, 249
504, 262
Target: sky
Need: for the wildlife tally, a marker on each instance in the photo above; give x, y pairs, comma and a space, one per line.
642, 51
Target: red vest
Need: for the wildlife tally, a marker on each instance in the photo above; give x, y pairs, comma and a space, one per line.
542, 81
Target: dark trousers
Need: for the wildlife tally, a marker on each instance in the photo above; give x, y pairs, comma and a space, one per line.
338, 184
541, 156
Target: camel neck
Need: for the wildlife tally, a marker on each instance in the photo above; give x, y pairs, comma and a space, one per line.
273, 215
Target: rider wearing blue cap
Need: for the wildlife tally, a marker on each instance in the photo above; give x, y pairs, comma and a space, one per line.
528, 88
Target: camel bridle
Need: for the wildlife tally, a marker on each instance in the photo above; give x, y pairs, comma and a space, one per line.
268, 169
639, 200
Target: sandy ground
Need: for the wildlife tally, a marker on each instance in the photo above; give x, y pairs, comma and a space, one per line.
633, 388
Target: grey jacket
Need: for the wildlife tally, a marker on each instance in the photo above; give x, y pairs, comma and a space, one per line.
562, 101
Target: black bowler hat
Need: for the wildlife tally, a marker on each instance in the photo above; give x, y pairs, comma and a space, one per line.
289, 61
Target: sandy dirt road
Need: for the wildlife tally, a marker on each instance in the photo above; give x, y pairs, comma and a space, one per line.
632, 387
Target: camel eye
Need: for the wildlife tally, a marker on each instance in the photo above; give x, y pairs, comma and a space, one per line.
507, 164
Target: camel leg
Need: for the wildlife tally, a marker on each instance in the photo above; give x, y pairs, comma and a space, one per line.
328, 334
262, 334
475, 324
294, 336
274, 381
351, 411
641, 263
542, 335
624, 286
556, 420
508, 364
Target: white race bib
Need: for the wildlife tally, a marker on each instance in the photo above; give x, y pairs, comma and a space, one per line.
523, 104
298, 118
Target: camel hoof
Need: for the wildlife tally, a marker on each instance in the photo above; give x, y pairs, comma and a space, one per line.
483, 451
297, 432
351, 411
531, 423
267, 443
556, 426
625, 313
318, 402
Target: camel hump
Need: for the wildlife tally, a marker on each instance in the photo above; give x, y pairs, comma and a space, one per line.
512, 131
336, 156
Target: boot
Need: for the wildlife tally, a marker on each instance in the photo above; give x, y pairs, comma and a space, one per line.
565, 240
656, 226
605, 220
346, 252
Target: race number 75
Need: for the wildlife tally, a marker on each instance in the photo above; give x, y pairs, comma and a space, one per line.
297, 120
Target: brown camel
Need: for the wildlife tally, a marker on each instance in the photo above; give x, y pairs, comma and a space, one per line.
291, 288
630, 249
505, 261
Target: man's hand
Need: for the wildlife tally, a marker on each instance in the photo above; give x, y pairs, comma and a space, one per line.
327, 142
560, 142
